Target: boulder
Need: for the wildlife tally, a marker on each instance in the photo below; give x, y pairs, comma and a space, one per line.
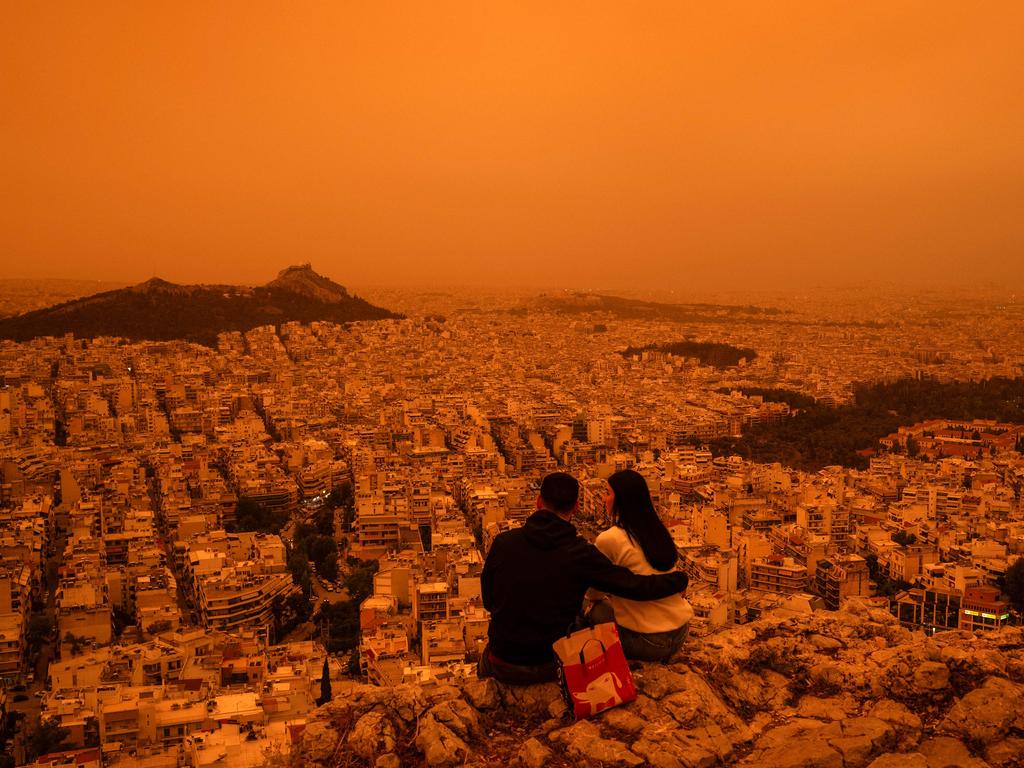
825, 643
658, 681
796, 744
621, 719
407, 702
583, 741
657, 756
858, 739
372, 735
987, 713
458, 716
896, 714
931, 676
1005, 753
946, 752
319, 741
530, 699
801, 754
533, 754
834, 708
899, 760
439, 744
483, 694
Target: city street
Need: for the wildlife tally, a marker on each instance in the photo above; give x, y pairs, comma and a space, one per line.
320, 594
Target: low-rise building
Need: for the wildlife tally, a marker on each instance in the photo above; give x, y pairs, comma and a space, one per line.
983, 608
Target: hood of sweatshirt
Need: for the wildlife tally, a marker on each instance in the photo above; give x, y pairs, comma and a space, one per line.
546, 530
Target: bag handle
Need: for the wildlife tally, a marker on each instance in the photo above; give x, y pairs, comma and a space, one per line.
583, 650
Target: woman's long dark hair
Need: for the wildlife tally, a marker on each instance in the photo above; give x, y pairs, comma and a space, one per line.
634, 512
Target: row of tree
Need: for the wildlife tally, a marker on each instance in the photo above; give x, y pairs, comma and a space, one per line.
340, 621
819, 435
314, 543
712, 353
250, 515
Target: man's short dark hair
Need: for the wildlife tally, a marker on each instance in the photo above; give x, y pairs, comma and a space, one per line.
560, 491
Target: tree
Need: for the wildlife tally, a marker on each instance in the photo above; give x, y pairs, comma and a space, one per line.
360, 581
320, 548
340, 495
47, 738
340, 624
913, 447
872, 563
60, 432
39, 628
76, 642
903, 538
328, 567
354, 669
298, 567
1014, 582
323, 518
304, 532
322, 551
121, 619
348, 516
325, 685
250, 515
298, 608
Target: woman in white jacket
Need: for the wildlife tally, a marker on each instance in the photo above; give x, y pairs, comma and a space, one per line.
638, 540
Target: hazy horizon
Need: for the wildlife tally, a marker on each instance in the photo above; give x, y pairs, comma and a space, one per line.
656, 147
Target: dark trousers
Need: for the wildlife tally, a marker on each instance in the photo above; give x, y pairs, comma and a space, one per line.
514, 674
639, 646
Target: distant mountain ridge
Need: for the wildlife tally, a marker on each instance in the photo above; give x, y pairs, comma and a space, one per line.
158, 310
19, 295
638, 309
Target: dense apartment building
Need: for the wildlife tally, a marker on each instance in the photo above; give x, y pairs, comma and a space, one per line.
839, 577
983, 608
777, 574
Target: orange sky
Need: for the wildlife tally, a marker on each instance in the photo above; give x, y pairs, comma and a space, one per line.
685, 145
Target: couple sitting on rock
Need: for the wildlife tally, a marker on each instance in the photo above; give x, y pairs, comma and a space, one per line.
535, 579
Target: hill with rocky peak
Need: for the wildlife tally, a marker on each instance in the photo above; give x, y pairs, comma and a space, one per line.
158, 310
849, 689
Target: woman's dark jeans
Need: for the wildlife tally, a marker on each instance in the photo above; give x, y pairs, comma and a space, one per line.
651, 646
639, 646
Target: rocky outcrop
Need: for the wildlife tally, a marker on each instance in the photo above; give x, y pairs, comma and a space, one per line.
850, 689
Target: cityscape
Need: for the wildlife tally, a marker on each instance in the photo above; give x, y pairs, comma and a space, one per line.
198, 542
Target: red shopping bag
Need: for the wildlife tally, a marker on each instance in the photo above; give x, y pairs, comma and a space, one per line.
594, 673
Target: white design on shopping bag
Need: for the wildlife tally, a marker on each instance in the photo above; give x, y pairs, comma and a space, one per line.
600, 690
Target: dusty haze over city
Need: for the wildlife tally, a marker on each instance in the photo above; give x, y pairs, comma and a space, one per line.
347, 348
607, 145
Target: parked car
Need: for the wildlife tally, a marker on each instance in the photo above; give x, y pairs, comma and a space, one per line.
20, 697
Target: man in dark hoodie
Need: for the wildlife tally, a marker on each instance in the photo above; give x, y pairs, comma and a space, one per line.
534, 580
